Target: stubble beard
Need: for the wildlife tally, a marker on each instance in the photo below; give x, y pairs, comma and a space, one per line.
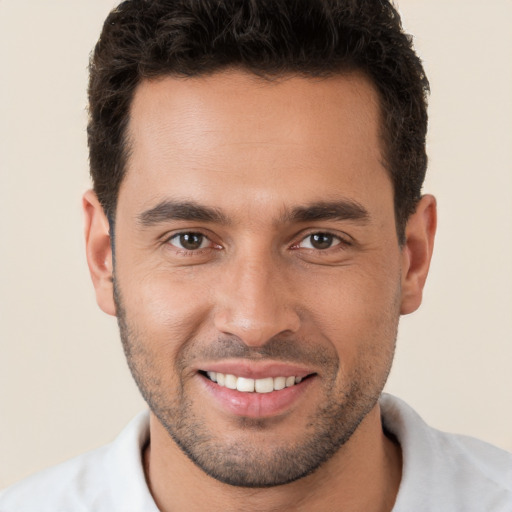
243, 464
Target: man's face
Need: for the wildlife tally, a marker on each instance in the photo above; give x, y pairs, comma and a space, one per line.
255, 238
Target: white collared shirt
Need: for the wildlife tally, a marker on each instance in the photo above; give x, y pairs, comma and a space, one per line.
441, 473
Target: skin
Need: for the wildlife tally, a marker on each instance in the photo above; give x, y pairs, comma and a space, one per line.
258, 291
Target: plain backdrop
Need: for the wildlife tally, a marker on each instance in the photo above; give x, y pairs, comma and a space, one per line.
64, 385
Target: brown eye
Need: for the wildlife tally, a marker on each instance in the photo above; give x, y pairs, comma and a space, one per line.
189, 241
320, 241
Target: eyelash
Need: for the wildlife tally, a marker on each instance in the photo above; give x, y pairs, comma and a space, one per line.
191, 252
342, 243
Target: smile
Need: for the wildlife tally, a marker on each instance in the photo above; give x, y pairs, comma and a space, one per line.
256, 391
246, 385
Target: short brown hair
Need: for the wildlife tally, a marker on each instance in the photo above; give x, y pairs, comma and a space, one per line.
149, 38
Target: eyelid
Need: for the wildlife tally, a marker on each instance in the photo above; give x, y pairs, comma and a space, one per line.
204, 240
340, 239
343, 239
166, 239
336, 240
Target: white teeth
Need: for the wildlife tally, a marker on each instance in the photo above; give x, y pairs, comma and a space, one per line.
245, 385
279, 383
290, 381
230, 381
266, 385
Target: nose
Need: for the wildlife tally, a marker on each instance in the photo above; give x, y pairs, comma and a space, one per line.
255, 301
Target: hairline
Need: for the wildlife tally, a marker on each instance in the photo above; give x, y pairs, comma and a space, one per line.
345, 69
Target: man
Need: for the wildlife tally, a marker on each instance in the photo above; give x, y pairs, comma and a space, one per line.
257, 227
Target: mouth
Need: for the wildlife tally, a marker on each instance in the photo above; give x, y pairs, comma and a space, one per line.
248, 385
254, 392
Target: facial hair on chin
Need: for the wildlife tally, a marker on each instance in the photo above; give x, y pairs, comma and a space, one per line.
241, 463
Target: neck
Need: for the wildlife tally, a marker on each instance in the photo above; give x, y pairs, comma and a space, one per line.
364, 475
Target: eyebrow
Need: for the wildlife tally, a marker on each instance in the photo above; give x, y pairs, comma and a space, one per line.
169, 210
345, 209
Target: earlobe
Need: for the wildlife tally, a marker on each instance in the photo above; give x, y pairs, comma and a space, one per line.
99, 251
417, 253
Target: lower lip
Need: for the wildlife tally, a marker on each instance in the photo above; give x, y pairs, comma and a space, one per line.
256, 405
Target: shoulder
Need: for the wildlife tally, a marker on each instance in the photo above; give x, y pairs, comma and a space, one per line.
110, 478
67, 486
446, 472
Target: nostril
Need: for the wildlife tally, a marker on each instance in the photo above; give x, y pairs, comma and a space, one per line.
256, 328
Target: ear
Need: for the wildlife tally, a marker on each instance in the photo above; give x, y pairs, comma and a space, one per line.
99, 251
417, 253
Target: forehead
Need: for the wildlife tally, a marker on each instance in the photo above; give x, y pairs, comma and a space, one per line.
210, 138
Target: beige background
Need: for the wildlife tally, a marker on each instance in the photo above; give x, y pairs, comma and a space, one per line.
64, 387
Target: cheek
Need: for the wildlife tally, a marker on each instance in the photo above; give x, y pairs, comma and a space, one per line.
356, 309
362, 295
166, 308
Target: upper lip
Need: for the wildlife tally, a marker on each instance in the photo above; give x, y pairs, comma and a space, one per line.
253, 370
